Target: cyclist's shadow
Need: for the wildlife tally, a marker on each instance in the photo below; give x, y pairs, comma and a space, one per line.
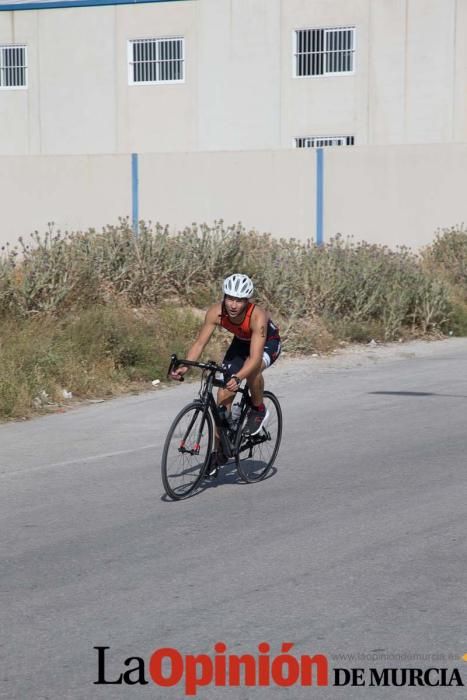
228, 476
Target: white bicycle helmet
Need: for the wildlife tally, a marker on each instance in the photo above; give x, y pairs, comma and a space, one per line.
239, 286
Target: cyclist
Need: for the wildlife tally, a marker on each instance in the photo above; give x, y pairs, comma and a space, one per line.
255, 347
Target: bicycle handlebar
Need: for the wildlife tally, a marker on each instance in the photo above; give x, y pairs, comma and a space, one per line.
210, 366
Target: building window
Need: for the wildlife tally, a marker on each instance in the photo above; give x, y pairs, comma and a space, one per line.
322, 141
324, 52
156, 61
13, 67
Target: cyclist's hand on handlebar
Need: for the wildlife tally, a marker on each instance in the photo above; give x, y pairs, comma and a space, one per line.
232, 385
178, 373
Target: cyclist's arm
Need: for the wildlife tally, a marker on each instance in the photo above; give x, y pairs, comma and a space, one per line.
207, 329
258, 325
211, 320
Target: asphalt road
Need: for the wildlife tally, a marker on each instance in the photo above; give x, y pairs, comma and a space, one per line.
356, 544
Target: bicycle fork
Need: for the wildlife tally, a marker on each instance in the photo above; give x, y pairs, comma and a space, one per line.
197, 445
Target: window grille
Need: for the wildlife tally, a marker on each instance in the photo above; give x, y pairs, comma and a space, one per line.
156, 61
13, 67
322, 141
324, 51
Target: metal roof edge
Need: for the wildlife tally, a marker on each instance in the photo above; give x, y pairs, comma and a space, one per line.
56, 4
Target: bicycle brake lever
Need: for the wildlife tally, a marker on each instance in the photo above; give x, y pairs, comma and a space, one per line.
173, 363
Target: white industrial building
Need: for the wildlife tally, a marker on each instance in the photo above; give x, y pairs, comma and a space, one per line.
302, 118
102, 76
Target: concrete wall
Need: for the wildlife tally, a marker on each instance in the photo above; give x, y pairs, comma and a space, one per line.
273, 191
74, 192
239, 93
394, 195
397, 195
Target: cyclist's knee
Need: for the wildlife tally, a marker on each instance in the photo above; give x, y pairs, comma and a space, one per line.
224, 396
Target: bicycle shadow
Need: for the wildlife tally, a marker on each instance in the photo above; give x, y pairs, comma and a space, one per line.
228, 476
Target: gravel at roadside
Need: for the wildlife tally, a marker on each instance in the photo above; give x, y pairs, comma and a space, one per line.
350, 356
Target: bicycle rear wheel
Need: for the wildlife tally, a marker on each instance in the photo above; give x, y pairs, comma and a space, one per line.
257, 453
186, 451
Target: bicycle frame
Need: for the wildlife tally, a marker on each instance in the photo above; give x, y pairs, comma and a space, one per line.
207, 403
228, 438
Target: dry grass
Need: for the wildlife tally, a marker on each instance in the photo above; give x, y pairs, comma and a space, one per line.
99, 352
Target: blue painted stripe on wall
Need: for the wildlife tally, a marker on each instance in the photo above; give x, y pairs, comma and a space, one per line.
319, 196
51, 4
135, 193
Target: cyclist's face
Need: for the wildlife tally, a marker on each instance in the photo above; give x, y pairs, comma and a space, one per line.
235, 307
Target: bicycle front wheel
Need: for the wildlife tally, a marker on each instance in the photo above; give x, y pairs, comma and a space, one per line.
257, 453
186, 451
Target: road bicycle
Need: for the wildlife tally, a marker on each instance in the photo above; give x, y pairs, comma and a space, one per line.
190, 439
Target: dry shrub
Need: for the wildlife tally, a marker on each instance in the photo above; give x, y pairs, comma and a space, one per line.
447, 256
93, 312
362, 283
307, 335
446, 259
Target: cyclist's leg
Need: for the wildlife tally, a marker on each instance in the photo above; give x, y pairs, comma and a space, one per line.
256, 385
259, 414
233, 361
272, 350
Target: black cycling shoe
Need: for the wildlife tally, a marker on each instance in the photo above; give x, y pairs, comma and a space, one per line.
212, 472
256, 420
